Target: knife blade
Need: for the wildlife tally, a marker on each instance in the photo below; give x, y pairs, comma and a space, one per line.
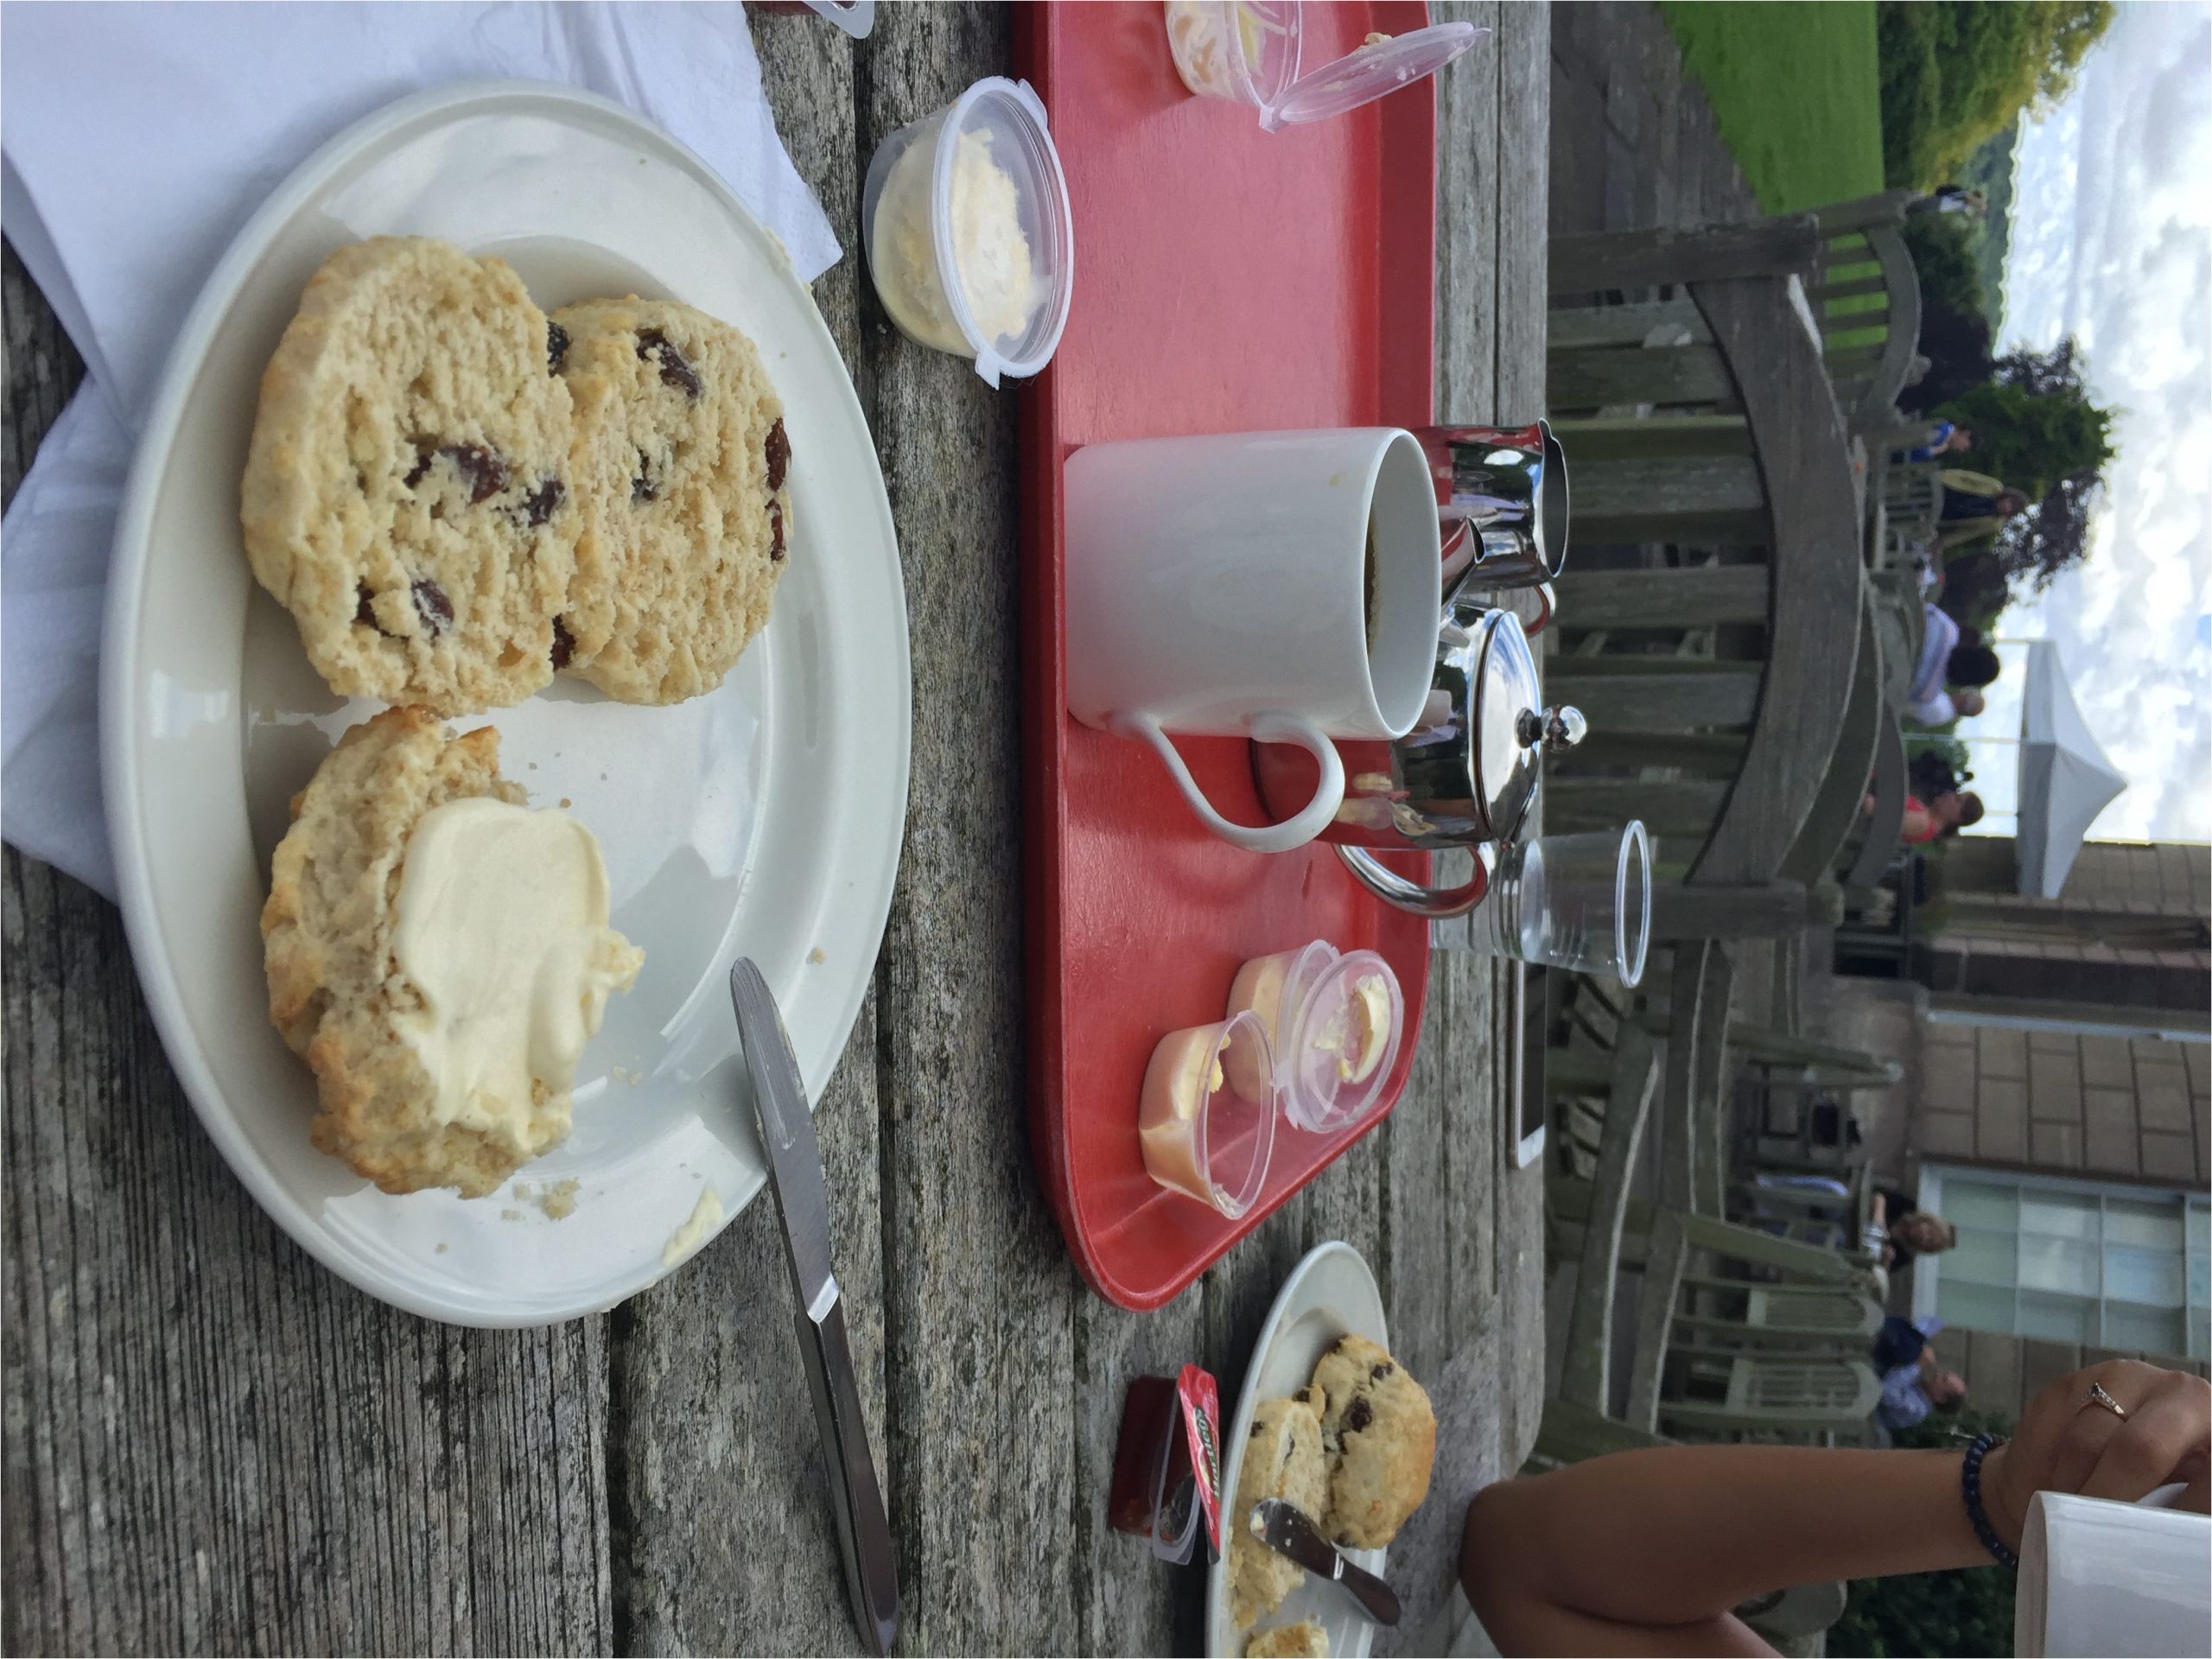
794, 1174
1285, 1528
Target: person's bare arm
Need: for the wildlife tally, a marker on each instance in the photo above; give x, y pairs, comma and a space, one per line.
1645, 1552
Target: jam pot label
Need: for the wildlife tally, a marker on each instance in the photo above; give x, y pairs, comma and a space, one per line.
1200, 1398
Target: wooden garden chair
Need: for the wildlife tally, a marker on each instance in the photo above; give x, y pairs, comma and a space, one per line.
1784, 1396
1716, 689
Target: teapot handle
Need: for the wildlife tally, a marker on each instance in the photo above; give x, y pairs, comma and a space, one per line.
1438, 904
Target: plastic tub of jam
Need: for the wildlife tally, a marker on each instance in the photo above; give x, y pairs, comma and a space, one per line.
1167, 1465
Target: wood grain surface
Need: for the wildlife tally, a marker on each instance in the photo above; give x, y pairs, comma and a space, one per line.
211, 1444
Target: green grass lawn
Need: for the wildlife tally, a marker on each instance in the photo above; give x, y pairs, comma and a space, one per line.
1797, 88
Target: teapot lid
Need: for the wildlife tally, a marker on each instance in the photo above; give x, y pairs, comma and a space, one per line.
1510, 725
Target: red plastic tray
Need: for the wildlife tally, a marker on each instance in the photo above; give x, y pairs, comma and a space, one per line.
1227, 280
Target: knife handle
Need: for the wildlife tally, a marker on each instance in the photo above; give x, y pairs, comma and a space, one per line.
864, 1529
1378, 1597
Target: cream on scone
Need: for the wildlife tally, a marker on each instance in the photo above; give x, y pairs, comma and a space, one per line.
439, 954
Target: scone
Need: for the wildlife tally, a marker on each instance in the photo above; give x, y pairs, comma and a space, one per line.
1380, 1437
681, 452
1282, 1458
1303, 1640
407, 495
442, 1017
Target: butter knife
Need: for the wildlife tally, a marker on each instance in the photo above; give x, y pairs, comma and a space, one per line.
1284, 1529
794, 1174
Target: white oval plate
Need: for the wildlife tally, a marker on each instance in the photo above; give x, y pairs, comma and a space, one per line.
764, 819
1330, 1294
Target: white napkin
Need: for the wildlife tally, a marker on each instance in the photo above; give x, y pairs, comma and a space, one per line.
137, 140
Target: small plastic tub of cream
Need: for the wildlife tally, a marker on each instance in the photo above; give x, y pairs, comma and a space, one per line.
1206, 1120
1334, 1023
1338, 1050
969, 233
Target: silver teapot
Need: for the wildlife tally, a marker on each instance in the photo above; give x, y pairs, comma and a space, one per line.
1467, 773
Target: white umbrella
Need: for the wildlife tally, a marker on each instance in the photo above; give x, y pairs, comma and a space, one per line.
2065, 779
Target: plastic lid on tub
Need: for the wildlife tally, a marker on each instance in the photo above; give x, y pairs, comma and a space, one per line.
1375, 69
1009, 118
1346, 1040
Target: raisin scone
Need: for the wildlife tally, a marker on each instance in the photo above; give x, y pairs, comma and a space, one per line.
437, 954
407, 495
681, 450
1380, 1437
1303, 1640
1282, 1458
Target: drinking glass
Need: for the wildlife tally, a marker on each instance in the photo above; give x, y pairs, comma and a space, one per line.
1581, 902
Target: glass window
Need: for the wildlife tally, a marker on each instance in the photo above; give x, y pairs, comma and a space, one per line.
2153, 1276
2058, 1318
1982, 1204
2155, 1226
2117, 1267
2152, 1329
1974, 1307
1986, 1257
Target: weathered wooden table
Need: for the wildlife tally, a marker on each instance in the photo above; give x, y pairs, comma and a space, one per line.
212, 1443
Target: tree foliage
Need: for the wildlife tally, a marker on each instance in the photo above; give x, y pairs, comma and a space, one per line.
1955, 71
2035, 428
1962, 1614
2033, 421
1955, 332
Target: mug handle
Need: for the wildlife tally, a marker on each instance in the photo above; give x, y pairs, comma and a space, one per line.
1292, 832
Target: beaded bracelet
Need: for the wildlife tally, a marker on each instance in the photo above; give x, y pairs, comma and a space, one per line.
1970, 1490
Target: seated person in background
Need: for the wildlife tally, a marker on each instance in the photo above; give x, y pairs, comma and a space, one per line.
1908, 1230
1951, 199
1948, 655
1897, 1230
1944, 438
1913, 1382
1975, 505
1649, 1551
1924, 821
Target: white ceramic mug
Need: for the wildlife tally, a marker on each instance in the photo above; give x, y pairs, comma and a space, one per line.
1217, 587
2103, 1578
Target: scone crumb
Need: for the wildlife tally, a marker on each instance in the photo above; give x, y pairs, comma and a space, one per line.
818, 955
441, 1247
510, 1215
1303, 1640
558, 1200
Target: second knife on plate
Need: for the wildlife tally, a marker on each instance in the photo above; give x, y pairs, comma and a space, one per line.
795, 1175
1285, 1528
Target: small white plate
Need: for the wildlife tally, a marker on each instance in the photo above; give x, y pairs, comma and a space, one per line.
1330, 1294
764, 819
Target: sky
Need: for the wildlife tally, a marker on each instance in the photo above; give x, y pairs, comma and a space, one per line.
2111, 242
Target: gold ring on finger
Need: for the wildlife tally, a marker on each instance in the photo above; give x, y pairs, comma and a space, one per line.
2097, 1396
